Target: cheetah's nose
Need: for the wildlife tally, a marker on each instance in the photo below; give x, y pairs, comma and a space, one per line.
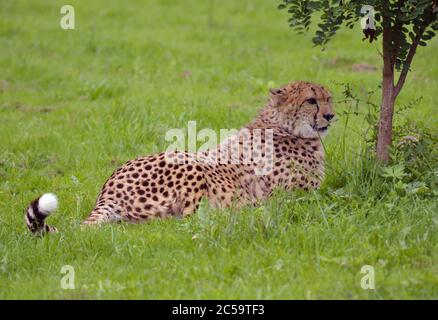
328, 116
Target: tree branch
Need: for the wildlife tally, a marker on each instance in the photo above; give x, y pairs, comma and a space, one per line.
412, 50
407, 64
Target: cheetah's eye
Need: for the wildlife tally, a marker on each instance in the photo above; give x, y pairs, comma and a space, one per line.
311, 101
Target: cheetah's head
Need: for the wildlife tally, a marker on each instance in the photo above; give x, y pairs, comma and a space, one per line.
303, 108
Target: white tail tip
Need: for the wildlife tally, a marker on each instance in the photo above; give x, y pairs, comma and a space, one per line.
47, 203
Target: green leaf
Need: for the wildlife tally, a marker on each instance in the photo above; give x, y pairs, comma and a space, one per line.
416, 188
396, 172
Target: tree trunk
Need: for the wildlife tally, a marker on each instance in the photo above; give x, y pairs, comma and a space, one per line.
384, 136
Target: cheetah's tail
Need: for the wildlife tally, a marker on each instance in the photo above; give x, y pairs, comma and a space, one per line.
37, 212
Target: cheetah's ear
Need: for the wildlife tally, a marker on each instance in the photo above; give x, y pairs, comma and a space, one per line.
278, 97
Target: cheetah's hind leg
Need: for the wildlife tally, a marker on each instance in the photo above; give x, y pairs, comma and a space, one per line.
103, 214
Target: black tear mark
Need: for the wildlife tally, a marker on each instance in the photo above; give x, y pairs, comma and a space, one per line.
317, 105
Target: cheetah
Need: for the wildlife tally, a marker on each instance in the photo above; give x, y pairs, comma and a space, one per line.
280, 148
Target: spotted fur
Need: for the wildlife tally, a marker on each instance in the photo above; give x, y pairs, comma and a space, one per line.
174, 183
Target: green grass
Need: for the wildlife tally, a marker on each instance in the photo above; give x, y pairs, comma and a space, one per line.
76, 104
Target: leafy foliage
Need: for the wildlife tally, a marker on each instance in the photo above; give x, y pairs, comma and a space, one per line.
413, 169
410, 21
